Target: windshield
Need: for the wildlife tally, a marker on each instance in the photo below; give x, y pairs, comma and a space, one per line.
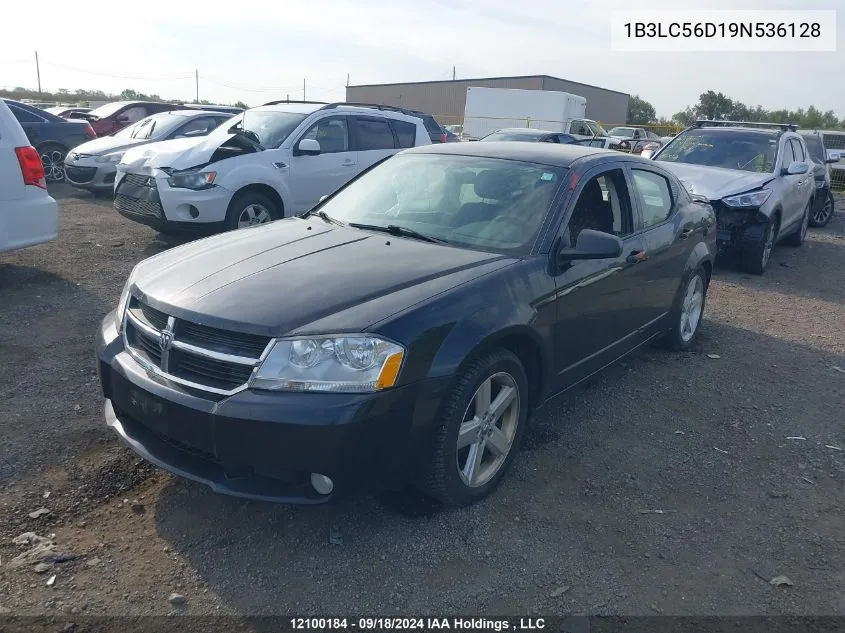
107, 110
746, 151
270, 126
152, 127
814, 144
514, 136
482, 203
622, 131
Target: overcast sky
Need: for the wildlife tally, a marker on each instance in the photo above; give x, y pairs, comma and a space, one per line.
257, 50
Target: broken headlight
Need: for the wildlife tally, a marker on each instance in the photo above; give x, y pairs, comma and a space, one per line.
192, 180
750, 200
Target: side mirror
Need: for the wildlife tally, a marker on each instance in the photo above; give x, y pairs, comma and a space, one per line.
308, 147
833, 157
324, 197
592, 245
797, 168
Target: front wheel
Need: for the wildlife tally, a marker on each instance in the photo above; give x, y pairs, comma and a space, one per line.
250, 209
797, 238
482, 423
758, 242
821, 217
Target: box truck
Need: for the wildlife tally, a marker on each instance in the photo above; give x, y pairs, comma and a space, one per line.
491, 109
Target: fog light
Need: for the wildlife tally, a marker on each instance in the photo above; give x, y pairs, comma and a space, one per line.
321, 483
195, 213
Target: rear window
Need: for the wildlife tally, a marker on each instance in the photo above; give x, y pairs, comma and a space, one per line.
406, 132
431, 125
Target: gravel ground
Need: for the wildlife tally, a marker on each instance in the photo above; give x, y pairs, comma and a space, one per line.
668, 485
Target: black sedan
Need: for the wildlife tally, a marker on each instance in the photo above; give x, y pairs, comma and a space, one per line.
403, 329
532, 135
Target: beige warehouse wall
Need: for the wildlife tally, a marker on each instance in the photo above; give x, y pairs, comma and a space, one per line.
446, 99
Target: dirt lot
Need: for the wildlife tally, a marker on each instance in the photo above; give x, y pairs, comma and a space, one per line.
702, 437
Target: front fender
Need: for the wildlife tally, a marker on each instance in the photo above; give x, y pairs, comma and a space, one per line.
243, 175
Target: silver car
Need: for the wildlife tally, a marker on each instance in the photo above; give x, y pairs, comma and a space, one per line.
93, 165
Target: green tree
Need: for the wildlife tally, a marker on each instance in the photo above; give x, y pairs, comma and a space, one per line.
241, 104
640, 111
714, 105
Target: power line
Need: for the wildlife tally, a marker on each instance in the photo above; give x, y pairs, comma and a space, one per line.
169, 77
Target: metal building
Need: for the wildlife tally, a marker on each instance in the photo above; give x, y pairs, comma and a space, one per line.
446, 99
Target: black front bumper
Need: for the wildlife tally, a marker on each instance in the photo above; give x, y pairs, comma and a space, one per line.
265, 445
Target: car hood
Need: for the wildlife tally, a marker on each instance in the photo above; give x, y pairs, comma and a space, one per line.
716, 182
107, 144
293, 274
179, 153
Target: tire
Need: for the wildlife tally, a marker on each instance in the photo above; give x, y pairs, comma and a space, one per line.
757, 245
824, 214
53, 160
688, 311
797, 238
250, 208
448, 475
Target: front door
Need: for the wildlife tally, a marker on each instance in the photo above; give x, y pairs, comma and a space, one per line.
597, 314
312, 177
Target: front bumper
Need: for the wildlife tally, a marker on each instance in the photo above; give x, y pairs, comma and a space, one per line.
265, 445
84, 173
732, 225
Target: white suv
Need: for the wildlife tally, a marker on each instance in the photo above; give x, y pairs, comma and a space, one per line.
272, 161
28, 215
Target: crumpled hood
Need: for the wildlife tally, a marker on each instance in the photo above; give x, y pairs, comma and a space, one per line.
178, 153
107, 145
716, 183
275, 279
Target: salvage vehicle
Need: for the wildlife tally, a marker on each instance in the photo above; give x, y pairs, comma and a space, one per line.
93, 165
51, 136
532, 135
824, 203
273, 161
28, 214
402, 330
632, 139
756, 176
113, 117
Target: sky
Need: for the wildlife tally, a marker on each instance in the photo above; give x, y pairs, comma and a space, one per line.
258, 50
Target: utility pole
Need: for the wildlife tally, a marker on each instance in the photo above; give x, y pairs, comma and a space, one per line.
38, 72
303, 88
197, 77
347, 80
454, 73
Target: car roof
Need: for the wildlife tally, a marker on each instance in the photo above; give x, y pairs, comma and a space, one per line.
310, 108
542, 153
738, 128
194, 112
523, 130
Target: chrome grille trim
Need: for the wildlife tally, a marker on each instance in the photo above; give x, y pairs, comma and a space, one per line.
162, 369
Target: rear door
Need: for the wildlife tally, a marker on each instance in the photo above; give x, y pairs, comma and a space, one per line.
791, 186
373, 138
807, 182
312, 177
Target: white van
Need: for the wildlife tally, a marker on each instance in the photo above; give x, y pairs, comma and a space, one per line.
28, 215
270, 162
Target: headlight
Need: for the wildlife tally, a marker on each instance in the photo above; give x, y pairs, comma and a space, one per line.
354, 363
109, 158
193, 180
123, 303
748, 200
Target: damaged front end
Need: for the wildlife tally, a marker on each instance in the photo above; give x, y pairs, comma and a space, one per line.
736, 214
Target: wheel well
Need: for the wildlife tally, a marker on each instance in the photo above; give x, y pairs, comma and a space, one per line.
708, 270
528, 352
266, 190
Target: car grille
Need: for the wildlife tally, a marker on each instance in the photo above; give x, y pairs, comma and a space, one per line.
136, 206
80, 174
139, 180
199, 356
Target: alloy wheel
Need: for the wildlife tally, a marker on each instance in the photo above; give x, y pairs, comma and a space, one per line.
769, 245
53, 161
822, 215
691, 308
253, 214
805, 223
488, 429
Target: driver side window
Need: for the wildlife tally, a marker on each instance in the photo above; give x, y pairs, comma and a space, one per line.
603, 204
788, 155
332, 133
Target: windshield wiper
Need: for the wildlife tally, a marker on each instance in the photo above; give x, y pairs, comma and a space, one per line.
399, 231
325, 216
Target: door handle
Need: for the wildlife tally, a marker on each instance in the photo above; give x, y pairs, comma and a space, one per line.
636, 257
685, 233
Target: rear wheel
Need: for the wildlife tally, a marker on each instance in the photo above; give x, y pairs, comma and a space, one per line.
688, 312
250, 209
821, 217
758, 242
53, 160
797, 238
482, 422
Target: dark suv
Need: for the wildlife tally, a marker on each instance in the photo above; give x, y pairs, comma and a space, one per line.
824, 203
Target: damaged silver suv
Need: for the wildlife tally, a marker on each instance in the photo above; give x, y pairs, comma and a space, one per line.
758, 178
